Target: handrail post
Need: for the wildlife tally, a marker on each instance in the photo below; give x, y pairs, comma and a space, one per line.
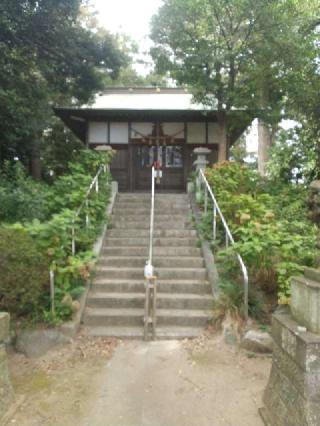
97, 184
87, 213
52, 291
73, 242
205, 199
214, 231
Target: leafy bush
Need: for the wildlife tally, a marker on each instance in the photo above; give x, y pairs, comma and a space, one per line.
21, 198
24, 284
53, 236
270, 225
230, 302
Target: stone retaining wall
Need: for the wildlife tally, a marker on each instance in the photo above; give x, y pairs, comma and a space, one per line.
292, 396
6, 391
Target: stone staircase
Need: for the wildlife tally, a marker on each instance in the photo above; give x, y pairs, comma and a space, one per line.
115, 303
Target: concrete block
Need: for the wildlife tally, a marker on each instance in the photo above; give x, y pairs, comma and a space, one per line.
292, 396
303, 347
312, 274
35, 343
305, 299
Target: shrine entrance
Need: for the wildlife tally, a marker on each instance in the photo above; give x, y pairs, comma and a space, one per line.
168, 159
164, 151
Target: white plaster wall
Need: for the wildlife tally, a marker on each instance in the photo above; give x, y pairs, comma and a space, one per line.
119, 133
98, 132
173, 129
214, 133
141, 128
196, 132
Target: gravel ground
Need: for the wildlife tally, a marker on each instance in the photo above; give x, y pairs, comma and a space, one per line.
106, 382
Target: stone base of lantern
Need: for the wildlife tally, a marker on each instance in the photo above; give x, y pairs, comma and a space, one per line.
292, 396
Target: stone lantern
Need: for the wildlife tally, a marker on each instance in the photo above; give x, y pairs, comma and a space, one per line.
201, 161
103, 148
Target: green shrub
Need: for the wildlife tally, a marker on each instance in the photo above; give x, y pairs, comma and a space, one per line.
21, 197
24, 281
230, 302
53, 235
270, 225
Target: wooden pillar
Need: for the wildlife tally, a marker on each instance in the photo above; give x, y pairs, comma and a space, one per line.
223, 140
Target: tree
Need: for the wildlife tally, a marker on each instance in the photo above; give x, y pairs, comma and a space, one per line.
239, 54
48, 56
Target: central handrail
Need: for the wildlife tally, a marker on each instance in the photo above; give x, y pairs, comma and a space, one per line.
229, 237
151, 217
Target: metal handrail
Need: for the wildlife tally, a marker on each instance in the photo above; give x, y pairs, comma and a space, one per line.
151, 217
85, 203
228, 235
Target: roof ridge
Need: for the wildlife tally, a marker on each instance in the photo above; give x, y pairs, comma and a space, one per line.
143, 90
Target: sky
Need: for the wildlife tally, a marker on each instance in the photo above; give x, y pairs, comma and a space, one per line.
133, 18
127, 16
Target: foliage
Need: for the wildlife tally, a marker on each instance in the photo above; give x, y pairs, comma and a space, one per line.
21, 198
58, 149
269, 223
24, 274
52, 236
294, 155
48, 56
251, 55
227, 51
238, 151
230, 302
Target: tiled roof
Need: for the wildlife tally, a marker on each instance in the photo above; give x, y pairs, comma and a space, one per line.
145, 99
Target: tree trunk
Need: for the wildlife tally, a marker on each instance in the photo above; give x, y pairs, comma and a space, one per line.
264, 145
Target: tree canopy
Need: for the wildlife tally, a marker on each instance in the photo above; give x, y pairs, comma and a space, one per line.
48, 56
232, 53
255, 55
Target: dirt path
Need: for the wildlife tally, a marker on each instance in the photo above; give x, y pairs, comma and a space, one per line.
144, 384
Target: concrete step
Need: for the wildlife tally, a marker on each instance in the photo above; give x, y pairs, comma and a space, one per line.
177, 233
162, 333
146, 194
144, 224
134, 317
158, 218
158, 262
115, 304
157, 242
158, 204
157, 251
137, 300
145, 210
146, 201
165, 286
163, 273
